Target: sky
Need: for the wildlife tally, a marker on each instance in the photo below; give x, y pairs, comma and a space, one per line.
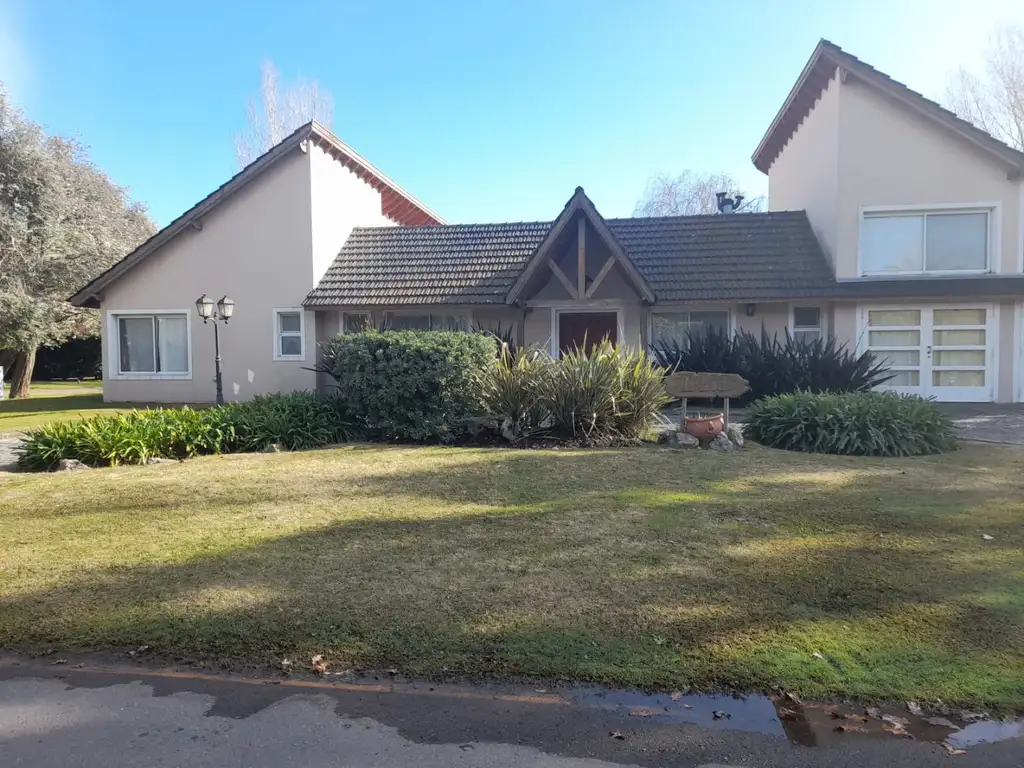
485, 111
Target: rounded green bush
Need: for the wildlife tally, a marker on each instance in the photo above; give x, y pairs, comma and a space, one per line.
854, 423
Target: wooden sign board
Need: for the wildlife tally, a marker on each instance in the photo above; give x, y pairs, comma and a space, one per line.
687, 384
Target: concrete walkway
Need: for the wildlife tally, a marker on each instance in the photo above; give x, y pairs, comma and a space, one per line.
988, 422
8, 458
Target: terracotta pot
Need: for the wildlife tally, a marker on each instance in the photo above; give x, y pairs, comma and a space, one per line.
705, 428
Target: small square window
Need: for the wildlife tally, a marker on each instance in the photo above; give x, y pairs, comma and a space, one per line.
288, 335
806, 323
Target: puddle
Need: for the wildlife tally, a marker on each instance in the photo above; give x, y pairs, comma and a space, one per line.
805, 723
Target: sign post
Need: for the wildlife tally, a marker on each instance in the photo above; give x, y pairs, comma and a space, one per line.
687, 384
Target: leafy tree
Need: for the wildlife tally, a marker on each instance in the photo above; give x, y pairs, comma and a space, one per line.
690, 194
62, 222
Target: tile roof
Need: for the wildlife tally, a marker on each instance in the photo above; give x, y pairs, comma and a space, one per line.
735, 257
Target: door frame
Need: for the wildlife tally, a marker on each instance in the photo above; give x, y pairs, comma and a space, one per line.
584, 309
992, 340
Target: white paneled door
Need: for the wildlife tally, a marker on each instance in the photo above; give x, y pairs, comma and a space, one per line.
943, 352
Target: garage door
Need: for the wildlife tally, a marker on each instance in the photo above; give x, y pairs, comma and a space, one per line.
943, 352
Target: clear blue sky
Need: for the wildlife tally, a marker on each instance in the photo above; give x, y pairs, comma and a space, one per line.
485, 110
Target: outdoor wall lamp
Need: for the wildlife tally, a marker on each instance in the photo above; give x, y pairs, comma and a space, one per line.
751, 309
225, 308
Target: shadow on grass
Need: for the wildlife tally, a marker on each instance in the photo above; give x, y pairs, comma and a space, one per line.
614, 566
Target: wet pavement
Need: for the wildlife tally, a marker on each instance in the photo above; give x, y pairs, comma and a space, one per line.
76, 713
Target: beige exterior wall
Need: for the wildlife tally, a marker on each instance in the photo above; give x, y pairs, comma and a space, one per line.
805, 176
262, 247
890, 156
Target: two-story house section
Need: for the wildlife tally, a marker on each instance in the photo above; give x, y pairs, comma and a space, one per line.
921, 216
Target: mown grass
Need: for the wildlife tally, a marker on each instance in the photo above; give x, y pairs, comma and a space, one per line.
633, 567
46, 405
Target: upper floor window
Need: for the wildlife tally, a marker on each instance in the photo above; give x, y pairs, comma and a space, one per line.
924, 242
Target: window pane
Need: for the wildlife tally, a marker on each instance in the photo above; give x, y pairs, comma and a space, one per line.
409, 322
289, 322
899, 357
447, 323
894, 317
894, 339
959, 317
905, 379
957, 241
892, 244
136, 344
955, 338
356, 322
800, 335
669, 326
291, 345
958, 378
806, 317
172, 336
960, 357
707, 320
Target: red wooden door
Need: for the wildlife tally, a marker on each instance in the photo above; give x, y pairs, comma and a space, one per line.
578, 328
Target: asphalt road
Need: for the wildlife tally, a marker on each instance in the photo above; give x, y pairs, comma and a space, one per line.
60, 716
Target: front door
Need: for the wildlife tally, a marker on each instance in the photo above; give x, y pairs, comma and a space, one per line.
942, 352
577, 330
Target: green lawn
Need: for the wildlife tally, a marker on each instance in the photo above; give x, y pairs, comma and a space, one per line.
634, 567
57, 386
54, 405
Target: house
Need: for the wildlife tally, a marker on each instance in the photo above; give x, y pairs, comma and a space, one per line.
892, 225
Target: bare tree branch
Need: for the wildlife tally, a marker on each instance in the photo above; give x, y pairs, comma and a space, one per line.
277, 112
994, 99
690, 194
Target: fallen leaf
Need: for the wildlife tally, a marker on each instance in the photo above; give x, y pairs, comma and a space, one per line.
642, 712
59, 661
286, 666
944, 722
914, 708
77, 666
319, 665
856, 718
896, 720
847, 728
687, 706
616, 735
986, 537
540, 690
719, 714
788, 714
818, 655
835, 715
953, 750
973, 717
676, 695
792, 698
874, 712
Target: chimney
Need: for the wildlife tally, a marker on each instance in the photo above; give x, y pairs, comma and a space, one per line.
725, 204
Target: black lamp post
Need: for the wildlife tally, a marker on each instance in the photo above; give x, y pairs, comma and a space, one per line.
225, 308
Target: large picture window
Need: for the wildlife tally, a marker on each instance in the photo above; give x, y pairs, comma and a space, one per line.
915, 243
676, 326
426, 321
152, 344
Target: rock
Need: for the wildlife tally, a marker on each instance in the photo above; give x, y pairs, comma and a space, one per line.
71, 465
272, 448
720, 442
683, 440
735, 433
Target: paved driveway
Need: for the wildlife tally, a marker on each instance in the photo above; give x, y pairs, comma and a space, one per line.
988, 422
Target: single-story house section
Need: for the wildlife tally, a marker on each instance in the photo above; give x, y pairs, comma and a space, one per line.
892, 225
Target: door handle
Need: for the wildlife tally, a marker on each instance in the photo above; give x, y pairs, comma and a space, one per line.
929, 352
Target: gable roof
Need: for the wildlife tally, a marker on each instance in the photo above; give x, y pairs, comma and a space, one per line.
580, 204
723, 258
396, 203
825, 62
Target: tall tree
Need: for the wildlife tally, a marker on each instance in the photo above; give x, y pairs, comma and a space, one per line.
277, 112
62, 222
994, 99
689, 194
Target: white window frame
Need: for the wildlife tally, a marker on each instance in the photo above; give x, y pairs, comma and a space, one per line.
114, 345
589, 309
278, 357
465, 315
730, 312
822, 327
993, 241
